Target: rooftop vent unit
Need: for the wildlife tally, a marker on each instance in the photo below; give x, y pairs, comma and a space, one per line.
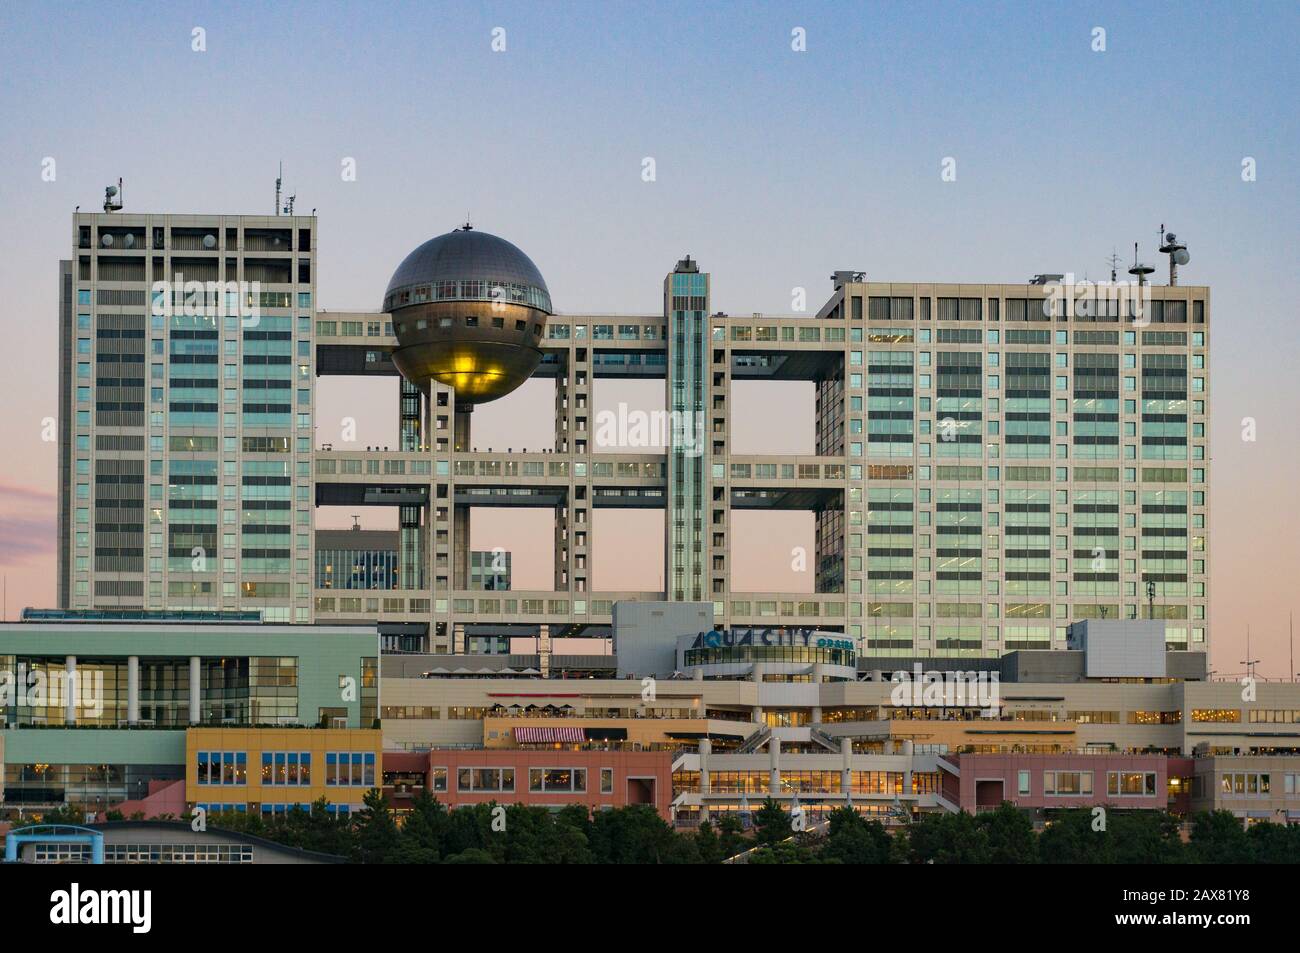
1045, 279
687, 267
842, 278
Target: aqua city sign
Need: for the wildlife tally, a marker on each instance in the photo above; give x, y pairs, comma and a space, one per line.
808, 638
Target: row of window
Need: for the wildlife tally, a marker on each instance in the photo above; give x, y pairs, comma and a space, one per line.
502, 780
287, 768
1079, 783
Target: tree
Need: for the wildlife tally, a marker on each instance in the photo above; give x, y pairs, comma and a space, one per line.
947, 839
731, 836
422, 830
1010, 834
377, 836
1219, 838
771, 823
852, 839
1145, 837
784, 852
1274, 843
708, 844
636, 835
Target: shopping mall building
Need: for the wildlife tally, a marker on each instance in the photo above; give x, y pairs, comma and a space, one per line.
694, 721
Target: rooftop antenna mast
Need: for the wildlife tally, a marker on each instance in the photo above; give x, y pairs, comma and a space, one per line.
1139, 270
1176, 251
113, 197
278, 180
1113, 261
1249, 662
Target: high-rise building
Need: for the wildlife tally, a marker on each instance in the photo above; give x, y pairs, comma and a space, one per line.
186, 427
992, 461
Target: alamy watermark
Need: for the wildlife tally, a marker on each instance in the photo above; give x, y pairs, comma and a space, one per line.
624, 427
1070, 297
922, 688
192, 299
54, 687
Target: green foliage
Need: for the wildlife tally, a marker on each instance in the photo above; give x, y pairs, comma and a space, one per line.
853, 839
1218, 838
430, 833
1010, 833
771, 823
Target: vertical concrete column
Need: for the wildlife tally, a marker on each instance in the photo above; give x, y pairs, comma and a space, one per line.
196, 690
846, 767
756, 672
817, 714
544, 649
70, 689
460, 515
907, 771
706, 748
132, 689
774, 766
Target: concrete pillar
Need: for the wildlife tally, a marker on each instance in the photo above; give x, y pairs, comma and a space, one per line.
544, 649
846, 766
774, 766
907, 772
706, 747
132, 689
70, 689
756, 714
196, 690
817, 714
756, 672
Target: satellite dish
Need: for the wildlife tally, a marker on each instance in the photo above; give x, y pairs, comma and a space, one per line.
1181, 257
106, 240
209, 241
1170, 237
129, 241
111, 191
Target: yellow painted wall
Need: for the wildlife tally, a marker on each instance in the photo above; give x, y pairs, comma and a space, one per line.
254, 741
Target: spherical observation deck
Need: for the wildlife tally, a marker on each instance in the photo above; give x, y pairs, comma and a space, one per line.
469, 310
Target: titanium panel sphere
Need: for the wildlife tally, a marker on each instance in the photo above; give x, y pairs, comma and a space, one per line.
469, 310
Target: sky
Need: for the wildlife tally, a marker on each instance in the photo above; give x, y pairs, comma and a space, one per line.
773, 167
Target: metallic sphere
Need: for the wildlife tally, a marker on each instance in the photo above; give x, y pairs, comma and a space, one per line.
469, 310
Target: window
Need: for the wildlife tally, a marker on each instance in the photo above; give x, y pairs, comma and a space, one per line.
350, 768
1131, 783
557, 780
1247, 784
438, 780
478, 780
1022, 783
606, 780
1221, 715
221, 767
286, 767
1067, 783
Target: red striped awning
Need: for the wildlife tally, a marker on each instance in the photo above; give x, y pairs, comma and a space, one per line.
544, 736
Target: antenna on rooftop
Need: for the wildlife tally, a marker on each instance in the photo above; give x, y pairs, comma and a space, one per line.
278, 181
113, 197
1113, 261
1139, 269
1176, 251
